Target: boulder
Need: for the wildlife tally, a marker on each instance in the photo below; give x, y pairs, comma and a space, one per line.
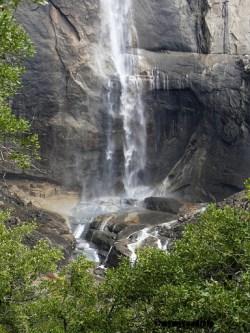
103, 240
118, 251
169, 205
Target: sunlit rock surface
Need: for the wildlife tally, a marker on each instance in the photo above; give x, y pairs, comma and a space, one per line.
51, 226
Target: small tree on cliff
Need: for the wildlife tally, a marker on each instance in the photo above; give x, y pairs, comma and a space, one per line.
17, 143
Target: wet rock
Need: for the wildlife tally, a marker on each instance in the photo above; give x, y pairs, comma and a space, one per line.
117, 227
151, 242
129, 230
130, 202
111, 233
169, 205
171, 232
132, 218
102, 239
100, 272
118, 251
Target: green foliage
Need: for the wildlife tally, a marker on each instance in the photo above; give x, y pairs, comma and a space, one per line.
21, 268
247, 187
68, 304
201, 286
12, 4
14, 42
17, 143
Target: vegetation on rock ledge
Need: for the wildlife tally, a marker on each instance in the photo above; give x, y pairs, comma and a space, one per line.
17, 143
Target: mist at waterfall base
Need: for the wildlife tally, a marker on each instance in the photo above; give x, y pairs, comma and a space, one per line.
118, 43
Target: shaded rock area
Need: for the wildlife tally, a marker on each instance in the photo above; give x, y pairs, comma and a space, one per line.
238, 200
199, 122
50, 226
193, 57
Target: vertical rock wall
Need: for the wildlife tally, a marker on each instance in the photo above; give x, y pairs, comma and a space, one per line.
229, 26
62, 93
197, 117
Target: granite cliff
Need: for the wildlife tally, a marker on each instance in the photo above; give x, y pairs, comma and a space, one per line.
193, 61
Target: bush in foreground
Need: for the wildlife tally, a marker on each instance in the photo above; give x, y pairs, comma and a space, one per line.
200, 286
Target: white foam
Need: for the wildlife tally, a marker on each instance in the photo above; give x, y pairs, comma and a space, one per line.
118, 26
79, 231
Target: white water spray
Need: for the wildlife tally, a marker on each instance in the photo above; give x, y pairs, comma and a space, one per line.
117, 21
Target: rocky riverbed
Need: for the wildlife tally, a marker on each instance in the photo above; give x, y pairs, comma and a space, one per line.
109, 229
103, 230
131, 225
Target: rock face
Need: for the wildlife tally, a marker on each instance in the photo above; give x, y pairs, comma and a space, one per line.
197, 113
203, 119
62, 92
170, 205
165, 25
228, 25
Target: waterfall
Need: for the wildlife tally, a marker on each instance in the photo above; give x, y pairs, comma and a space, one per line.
120, 37
118, 67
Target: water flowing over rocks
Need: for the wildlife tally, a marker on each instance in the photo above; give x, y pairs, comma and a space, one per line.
112, 232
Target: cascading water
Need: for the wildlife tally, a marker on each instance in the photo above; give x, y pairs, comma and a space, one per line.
117, 25
117, 62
